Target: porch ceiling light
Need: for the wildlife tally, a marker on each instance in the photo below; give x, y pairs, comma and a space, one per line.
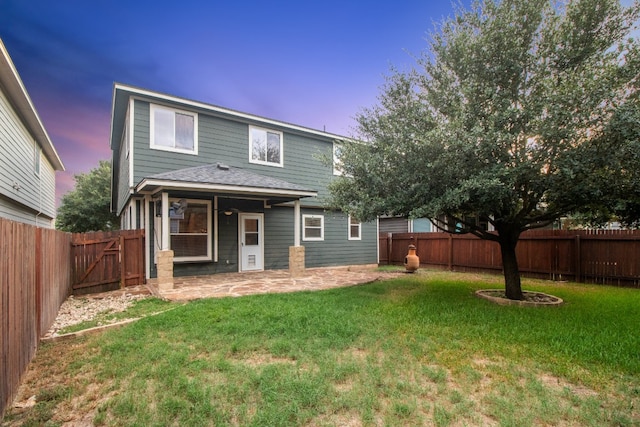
228, 212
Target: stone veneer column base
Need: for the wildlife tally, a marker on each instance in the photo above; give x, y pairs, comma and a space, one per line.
165, 270
296, 260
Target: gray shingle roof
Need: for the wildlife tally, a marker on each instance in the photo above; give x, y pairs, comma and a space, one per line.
219, 174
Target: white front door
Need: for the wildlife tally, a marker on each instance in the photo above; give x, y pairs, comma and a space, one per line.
251, 242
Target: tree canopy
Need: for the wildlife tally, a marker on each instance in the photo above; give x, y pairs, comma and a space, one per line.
518, 113
88, 206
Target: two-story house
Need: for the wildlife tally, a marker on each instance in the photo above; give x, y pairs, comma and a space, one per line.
227, 191
28, 159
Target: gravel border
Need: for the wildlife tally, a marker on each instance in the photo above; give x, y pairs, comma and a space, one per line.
81, 309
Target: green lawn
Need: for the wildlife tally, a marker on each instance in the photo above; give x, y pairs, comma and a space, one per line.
418, 350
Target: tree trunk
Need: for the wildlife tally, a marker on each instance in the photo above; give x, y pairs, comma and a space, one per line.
512, 285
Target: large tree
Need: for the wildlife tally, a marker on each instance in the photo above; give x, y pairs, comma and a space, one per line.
87, 207
508, 117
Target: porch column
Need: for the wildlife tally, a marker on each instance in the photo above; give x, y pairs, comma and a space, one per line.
296, 252
165, 270
147, 237
296, 223
215, 228
164, 246
165, 256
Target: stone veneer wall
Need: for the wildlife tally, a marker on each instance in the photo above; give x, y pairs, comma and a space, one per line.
296, 260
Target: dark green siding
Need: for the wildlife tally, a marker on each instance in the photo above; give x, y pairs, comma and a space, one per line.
123, 178
227, 141
278, 236
228, 243
336, 248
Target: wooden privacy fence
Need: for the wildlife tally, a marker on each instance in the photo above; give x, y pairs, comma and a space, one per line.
35, 279
39, 268
104, 260
601, 256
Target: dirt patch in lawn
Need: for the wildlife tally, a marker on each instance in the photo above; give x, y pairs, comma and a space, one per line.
59, 393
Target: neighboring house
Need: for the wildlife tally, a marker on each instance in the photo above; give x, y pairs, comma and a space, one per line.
227, 191
401, 224
28, 159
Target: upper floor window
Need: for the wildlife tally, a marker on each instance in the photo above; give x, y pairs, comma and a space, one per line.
174, 130
265, 146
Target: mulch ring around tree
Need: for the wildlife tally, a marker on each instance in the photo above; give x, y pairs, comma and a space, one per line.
531, 298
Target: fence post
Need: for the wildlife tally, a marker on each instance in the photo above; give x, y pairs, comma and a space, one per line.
123, 257
450, 261
578, 260
389, 248
38, 258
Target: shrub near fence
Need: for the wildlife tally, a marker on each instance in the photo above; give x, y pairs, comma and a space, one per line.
35, 279
600, 256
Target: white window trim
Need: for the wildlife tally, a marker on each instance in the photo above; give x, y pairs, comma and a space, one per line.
304, 229
349, 229
37, 159
260, 162
209, 231
152, 145
125, 136
129, 141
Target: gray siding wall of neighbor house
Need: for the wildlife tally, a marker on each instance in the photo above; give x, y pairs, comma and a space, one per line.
394, 225
227, 141
35, 192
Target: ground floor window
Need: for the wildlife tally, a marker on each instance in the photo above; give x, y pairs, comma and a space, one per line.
313, 227
355, 229
190, 229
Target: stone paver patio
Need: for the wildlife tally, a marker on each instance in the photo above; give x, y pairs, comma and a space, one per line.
270, 281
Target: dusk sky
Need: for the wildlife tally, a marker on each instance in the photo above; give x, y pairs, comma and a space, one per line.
311, 63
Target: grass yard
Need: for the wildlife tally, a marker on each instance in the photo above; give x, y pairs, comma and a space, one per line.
418, 350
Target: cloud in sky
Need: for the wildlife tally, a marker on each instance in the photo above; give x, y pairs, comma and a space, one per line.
315, 64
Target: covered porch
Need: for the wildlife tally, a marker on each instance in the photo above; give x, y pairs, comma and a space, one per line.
215, 219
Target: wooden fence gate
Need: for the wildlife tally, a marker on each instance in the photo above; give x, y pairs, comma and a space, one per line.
105, 261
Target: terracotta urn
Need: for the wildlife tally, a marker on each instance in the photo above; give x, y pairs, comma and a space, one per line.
411, 261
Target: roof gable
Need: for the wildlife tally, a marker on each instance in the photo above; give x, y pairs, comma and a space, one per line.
12, 85
122, 93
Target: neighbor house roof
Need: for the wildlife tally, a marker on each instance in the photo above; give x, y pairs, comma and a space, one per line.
220, 178
14, 89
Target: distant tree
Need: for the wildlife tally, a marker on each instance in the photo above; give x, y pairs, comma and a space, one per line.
621, 201
509, 117
87, 207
